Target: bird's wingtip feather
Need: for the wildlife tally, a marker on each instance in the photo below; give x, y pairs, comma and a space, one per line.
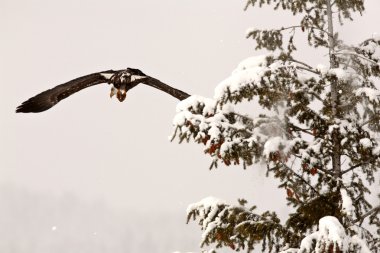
33, 105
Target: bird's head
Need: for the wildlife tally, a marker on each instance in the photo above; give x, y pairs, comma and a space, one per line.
125, 80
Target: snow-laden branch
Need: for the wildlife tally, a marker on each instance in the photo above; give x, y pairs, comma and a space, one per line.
330, 237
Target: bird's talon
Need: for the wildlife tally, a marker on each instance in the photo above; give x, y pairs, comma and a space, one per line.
113, 92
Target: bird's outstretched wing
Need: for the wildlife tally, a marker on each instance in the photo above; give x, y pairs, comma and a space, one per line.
51, 97
122, 81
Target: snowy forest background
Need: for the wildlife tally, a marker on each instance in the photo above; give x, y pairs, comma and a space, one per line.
97, 176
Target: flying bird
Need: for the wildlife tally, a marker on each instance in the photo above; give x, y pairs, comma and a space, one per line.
121, 81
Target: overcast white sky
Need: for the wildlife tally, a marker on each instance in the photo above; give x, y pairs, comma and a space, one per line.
99, 149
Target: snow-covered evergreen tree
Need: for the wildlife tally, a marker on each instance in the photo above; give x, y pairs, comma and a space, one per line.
320, 137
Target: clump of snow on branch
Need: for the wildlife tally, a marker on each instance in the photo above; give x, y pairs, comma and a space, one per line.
227, 225
371, 48
373, 94
207, 208
330, 237
195, 102
347, 206
248, 71
205, 204
199, 118
364, 58
323, 69
261, 73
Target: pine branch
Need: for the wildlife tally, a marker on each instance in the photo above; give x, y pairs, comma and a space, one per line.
315, 95
300, 26
300, 177
353, 167
357, 55
304, 64
297, 128
374, 210
315, 114
376, 117
359, 165
328, 173
307, 69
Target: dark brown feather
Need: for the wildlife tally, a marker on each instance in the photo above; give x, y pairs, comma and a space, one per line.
153, 82
51, 97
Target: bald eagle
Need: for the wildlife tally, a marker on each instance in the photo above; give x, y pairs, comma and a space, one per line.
121, 81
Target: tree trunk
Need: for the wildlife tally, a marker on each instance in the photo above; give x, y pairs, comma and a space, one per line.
334, 92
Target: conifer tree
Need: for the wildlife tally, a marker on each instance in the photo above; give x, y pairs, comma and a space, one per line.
320, 136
